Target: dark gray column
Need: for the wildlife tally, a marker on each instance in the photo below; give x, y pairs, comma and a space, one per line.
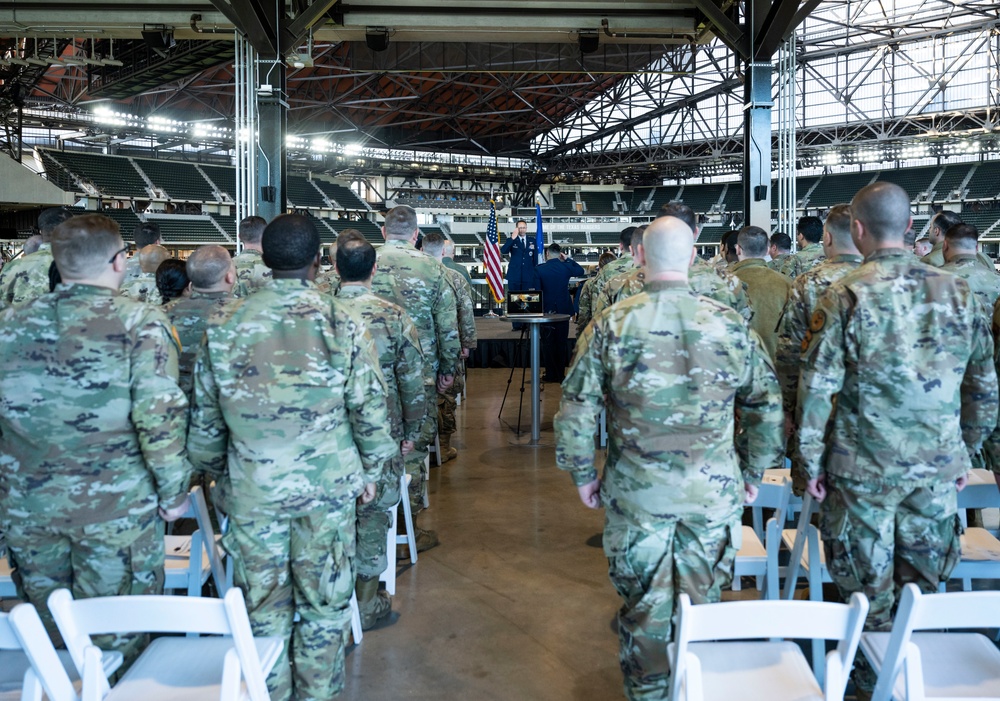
757, 145
272, 119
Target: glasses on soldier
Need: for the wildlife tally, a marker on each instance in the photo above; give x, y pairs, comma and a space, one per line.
117, 253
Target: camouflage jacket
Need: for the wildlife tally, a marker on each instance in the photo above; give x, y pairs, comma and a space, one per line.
721, 285
584, 312
806, 291
399, 354
616, 267
142, 289
328, 281
467, 336
251, 273
985, 284
768, 294
776, 264
289, 411
936, 258
907, 354
26, 278
457, 267
92, 421
189, 316
674, 368
418, 284
803, 260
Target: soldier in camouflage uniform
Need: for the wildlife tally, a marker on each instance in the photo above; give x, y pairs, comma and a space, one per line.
622, 264
212, 275
92, 427
402, 366
447, 401
448, 261
624, 284
960, 242
251, 273
936, 230
768, 289
584, 312
779, 250
143, 287
809, 231
26, 278
289, 417
906, 352
144, 234
328, 281
420, 286
674, 367
842, 256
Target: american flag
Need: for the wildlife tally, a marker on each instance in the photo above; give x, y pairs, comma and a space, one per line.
494, 276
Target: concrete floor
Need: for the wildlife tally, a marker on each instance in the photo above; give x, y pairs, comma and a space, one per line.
514, 604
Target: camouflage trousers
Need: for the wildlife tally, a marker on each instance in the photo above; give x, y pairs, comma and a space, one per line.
649, 569
302, 565
879, 538
415, 460
373, 523
115, 558
447, 403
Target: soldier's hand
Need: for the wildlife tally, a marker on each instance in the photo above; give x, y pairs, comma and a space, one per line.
444, 382
465, 353
962, 482
817, 487
368, 494
751, 493
174, 513
406, 447
590, 494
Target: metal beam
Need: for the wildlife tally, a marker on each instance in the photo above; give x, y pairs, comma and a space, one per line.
297, 28
728, 32
780, 20
257, 19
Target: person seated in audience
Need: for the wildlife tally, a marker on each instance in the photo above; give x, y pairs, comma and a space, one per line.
172, 280
95, 374
143, 288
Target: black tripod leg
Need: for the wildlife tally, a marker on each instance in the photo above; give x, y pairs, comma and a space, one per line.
520, 402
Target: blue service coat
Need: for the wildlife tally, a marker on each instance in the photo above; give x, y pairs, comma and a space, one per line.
554, 275
523, 261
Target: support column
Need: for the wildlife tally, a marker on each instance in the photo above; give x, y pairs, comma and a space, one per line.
757, 145
272, 110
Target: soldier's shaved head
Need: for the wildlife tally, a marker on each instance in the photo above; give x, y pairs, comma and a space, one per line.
151, 256
207, 266
753, 241
82, 246
400, 223
434, 245
668, 243
251, 229
838, 225
883, 209
49, 219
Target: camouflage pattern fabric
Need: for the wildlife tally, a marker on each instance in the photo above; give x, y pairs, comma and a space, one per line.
778, 262
94, 375
807, 258
189, 316
936, 258
721, 285
142, 289
447, 401
459, 268
290, 417
584, 312
132, 268
373, 522
328, 281
298, 564
989, 457
26, 278
251, 273
616, 267
984, 283
674, 367
768, 292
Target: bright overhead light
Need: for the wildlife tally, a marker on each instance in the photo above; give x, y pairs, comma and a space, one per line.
830, 159
353, 149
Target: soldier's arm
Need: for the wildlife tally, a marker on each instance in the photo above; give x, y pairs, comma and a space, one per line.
791, 332
582, 400
208, 435
583, 315
979, 385
365, 398
821, 376
575, 269
159, 408
445, 314
410, 379
466, 316
758, 400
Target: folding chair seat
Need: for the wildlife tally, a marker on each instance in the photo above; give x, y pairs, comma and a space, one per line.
393, 539
762, 670
182, 567
913, 666
170, 667
980, 548
757, 553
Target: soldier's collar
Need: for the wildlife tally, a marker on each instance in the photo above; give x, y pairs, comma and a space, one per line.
847, 258
79, 288
216, 294
348, 289
960, 257
749, 263
887, 253
657, 285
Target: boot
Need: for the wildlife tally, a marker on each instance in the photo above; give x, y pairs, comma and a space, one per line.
447, 452
374, 605
425, 541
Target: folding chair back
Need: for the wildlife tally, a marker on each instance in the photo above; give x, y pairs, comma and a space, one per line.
757, 553
187, 551
980, 548
27, 655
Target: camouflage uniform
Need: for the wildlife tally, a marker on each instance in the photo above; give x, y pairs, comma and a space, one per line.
584, 311
673, 366
936, 258
768, 294
92, 427
457, 267
418, 284
290, 418
907, 355
985, 284
402, 363
803, 261
251, 273
328, 281
189, 316
448, 402
142, 289
616, 267
778, 262
806, 291
721, 285
132, 268
26, 278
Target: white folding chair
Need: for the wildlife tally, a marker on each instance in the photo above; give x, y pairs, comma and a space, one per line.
794, 502
183, 569
980, 548
915, 666
355, 619
425, 492
393, 539
762, 670
757, 554
170, 667
602, 428
7, 587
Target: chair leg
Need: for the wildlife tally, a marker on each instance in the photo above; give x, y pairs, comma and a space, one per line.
427, 476
411, 534
437, 449
356, 619
389, 575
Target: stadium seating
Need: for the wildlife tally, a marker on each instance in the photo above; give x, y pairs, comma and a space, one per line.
224, 178
600, 203
563, 204
300, 192
951, 179
915, 181
188, 229
701, 198
985, 182
342, 196
113, 176
179, 180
